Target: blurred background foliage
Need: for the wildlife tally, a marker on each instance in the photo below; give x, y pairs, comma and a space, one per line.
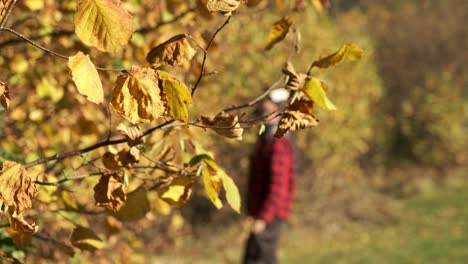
400, 128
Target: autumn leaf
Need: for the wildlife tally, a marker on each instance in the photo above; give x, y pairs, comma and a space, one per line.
176, 96
137, 95
224, 124
295, 79
85, 239
315, 90
86, 77
16, 187
177, 192
136, 207
232, 192
278, 31
122, 159
348, 51
132, 133
20, 230
4, 95
103, 24
174, 52
212, 182
297, 115
4, 5
225, 7
109, 192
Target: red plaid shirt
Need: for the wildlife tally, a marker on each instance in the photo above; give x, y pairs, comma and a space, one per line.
272, 179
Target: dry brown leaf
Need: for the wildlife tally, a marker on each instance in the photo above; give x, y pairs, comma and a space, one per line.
123, 159
4, 5
295, 79
109, 192
296, 116
20, 230
137, 95
16, 187
4, 95
225, 7
224, 124
132, 133
173, 52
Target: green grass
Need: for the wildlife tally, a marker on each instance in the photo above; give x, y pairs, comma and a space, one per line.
432, 229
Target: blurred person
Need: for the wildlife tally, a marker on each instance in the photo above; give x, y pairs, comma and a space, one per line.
271, 185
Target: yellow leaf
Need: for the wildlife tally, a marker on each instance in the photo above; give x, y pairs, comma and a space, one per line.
349, 51
174, 52
137, 95
278, 31
224, 124
103, 24
315, 90
297, 115
225, 7
4, 95
177, 192
136, 207
161, 206
212, 185
86, 77
16, 187
232, 192
176, 95
85, 239
109, 192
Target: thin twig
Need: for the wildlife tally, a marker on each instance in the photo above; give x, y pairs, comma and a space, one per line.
256, 100
78, 177
205, 54
34, 43
64, 155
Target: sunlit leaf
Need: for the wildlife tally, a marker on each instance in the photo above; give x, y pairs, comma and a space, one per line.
232, 192
4, 95
137, 95
225, 7
86, 77
176, 95
16, 187
297, 115
211, 186
177, 192
315, 89
224, 124
109, 192
278, 31
174, 52
349, 51
136, 207
85, 239
103, 24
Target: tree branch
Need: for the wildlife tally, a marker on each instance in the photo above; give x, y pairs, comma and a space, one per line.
78, 177
205, 53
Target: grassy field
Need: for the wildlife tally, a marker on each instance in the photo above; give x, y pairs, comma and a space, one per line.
433, 228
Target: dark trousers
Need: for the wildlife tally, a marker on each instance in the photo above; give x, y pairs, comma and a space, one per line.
261, 248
